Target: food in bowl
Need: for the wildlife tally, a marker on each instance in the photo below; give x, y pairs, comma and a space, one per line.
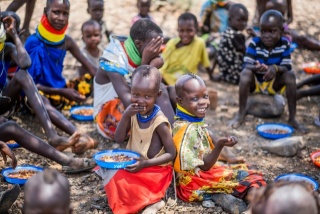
275, 131
84, 112
22, 174
11, 142
116, 158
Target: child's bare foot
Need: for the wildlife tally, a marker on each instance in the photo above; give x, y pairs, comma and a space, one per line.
228, 156
77, 165
298, 126
236, 122
154, 208
62, 143
84, 143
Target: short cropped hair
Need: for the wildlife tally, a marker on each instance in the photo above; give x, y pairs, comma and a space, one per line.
90, 22
272, 13
236, 7
189, 16
49, 2
143, 28
148, 71
88, 1
7, 13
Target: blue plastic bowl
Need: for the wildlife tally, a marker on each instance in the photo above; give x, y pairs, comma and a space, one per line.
8, 170
260, 129
298, 177
81, 117
115, 165
13, 145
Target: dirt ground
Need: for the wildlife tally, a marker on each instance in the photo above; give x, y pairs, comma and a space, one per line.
86, 188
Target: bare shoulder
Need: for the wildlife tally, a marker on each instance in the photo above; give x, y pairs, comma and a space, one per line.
70, 43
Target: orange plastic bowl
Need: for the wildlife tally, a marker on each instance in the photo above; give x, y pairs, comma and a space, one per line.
311, 67
314, 155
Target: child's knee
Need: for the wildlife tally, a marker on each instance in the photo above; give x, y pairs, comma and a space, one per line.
289, 78
246, 76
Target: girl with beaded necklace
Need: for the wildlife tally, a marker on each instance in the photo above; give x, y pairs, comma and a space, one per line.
146, 180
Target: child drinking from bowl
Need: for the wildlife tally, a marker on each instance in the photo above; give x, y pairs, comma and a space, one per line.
144, 182
199, 177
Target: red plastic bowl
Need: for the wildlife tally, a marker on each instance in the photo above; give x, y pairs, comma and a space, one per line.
311, 67
314, 156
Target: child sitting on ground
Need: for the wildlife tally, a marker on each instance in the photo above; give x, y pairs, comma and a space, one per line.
184, 53
47, 192
10, 90
144, 183
232, 45
91, 36
9, 130
144, 9
268, 68
47, 48
199, 177
96, 9
113, 80
285, 197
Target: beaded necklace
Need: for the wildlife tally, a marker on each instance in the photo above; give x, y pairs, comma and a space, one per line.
147, 118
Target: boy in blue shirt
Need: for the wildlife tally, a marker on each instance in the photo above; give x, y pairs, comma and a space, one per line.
267, 68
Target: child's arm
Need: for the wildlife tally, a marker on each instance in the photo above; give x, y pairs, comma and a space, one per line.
121, 87
213, 156
5, 150
69, 93
164, 133
75, 51
125, 122
289, 12
18, 52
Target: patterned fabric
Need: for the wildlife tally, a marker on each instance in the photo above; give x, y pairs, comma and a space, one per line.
279, 55
178, 61
266, 87
193, 143
109, 117
48, 34
230, 59
214, 12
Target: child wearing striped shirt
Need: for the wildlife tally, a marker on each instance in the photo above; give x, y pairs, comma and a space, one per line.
267, 68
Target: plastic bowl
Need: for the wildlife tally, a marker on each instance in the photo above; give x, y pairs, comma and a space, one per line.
81, 117
115, 165
267, 126
8, 170
298, 177
13, 145
311, 67
314, 156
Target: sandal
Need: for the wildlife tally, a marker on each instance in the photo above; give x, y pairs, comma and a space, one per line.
8, 198
88, 164
208, 204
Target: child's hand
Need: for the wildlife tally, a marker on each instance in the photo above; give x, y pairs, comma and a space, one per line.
5, 150
260, 67
73, 95
152, 50
136, 167
230, 141
10, 25
271, 73
251, 32
134, 109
